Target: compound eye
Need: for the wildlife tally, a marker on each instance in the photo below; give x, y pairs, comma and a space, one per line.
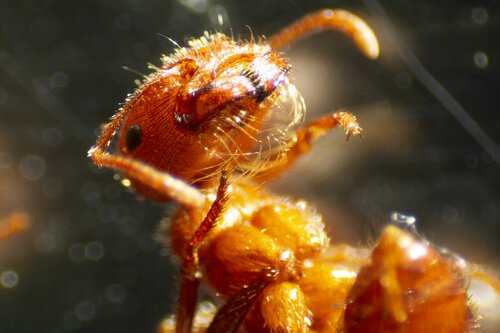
133, 137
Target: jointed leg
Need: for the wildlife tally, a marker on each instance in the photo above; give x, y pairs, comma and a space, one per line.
189, 271
328, 19
209, 222
188, 297
364, 38
306, 136
230, 316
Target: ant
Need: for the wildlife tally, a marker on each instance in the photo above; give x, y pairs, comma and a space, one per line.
216, 120
402, 284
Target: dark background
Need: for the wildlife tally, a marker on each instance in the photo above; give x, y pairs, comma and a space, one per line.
90, 263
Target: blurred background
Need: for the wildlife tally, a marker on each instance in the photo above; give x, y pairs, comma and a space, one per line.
90, 263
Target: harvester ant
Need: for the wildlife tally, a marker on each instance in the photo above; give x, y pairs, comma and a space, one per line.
205, 129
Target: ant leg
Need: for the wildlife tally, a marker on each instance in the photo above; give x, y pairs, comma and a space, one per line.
364, 38
329, 19
159, 181
187, 305
189, 271
306, 136
231, 314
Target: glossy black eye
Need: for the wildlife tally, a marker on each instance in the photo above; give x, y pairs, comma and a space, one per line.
133, 137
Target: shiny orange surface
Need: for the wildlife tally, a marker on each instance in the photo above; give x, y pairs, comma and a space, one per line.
408, 287
201, 117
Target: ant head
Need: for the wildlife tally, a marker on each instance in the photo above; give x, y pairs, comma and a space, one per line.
209, 105
240, 78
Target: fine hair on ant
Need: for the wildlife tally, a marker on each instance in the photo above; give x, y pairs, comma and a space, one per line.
216, 120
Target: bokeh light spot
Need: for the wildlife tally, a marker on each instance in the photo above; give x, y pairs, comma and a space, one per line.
46, 242
85, 311
71, 321
481, 59
479, 15
52, 136
76, 252
32, 167
9, 279
116, 293
94, 251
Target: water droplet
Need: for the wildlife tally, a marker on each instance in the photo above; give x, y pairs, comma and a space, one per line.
406, 221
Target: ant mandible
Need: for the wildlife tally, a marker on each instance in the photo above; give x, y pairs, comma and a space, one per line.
197, 131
